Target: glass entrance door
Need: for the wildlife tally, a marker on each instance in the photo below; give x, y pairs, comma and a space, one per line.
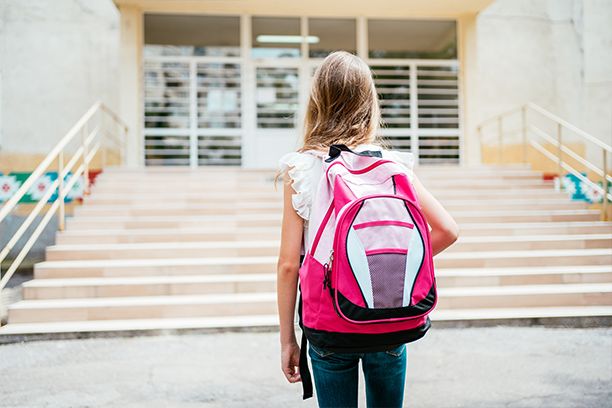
232, 90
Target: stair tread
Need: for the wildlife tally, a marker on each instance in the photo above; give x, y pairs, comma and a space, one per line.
266, 277
272, 320
174, 231
146, 300
520, 312
271, 296
509, 290
140, 324
245, 260
272, 259
523, 270
274, 243
530, 253
168, 245
251, 277
273, 216
212, 229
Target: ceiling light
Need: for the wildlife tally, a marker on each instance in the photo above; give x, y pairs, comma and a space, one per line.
292, 39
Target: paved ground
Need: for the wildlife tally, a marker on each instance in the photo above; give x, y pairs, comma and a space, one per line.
473, 367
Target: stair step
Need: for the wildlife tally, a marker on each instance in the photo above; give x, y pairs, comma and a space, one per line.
237, 283
267, 220
212, 197
174, 209
104, 236
153, 186
150, 267
179, 209
147, 286
165, 234
542, 257
222, 208
267, 264
521, 243
528, 228
228, 171
497, 315
145, 307
163, 250
584, 294
265, 303
271, 247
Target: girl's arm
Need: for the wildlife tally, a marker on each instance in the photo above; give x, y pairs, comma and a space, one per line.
444, 229
286, 284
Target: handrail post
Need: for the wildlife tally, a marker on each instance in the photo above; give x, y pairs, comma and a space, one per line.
122, 149
559, 153
604, 185
524, 131
479, 133
85, 162
500, 142
103, 138
60, 191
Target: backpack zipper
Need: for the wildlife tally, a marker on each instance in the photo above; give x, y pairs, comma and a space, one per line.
327, 271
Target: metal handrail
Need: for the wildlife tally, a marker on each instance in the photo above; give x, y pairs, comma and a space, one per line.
97, 119
530, 129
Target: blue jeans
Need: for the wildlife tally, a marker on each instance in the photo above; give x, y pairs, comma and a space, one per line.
336, 377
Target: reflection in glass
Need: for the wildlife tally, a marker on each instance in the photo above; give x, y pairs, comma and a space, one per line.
412, 39
218, 90
333, 34
276, 37
276, 97
186, 35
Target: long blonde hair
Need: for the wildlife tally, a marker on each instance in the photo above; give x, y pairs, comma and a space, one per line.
343, 105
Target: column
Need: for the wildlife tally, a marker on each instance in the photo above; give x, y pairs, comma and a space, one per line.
468, 77
130, 81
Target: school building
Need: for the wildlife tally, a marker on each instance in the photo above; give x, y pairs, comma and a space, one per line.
505, 104
206, 82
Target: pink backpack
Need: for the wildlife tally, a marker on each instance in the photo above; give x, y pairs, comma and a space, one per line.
367, 278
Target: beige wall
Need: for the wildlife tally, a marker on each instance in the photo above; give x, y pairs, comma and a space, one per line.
347, 8
56, 59
556, 53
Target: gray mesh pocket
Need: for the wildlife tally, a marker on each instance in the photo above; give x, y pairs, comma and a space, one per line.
387, 271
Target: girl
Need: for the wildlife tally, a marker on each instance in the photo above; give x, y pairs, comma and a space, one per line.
342, 109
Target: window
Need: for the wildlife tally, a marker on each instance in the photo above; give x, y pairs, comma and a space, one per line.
412, 39
331, 34
276, 37
277, 97
167, 34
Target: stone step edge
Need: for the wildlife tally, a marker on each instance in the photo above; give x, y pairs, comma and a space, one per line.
210, 299
274, 243
273, 259
132, 327
267, 277
214, 230
278, 203
277, 217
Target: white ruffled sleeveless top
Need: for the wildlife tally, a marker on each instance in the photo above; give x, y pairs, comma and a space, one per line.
304, 169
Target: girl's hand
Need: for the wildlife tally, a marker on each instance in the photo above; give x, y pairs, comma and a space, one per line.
290, 362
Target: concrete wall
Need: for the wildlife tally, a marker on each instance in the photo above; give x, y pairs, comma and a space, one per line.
556, 53
56, 59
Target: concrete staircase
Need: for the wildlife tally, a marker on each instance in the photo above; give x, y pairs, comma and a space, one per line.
166, 248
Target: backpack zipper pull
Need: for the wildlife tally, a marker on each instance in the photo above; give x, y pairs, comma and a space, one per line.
327, 271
